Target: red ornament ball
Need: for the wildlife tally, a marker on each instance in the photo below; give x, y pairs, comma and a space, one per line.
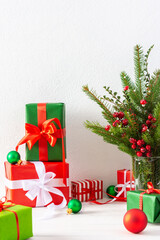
135, 220
140, 142
126, 88
143, 102
107, 127
139, 154
114, 124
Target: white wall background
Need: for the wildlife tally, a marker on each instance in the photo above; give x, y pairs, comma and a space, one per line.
49, 49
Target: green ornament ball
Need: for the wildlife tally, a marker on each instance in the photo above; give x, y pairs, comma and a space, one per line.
75, 205
111, 190
13, 157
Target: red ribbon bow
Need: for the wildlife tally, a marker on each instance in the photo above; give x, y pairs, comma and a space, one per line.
4, 206
150, 189
47, 131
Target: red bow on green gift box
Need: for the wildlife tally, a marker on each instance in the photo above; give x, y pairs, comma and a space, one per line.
4, 205
150, 190
46, 133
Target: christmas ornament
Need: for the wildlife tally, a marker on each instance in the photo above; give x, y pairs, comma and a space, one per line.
74, 206
107, 127
126, 88
135, 220
114, 124
148, 154
13, 157
143, 150
111, 191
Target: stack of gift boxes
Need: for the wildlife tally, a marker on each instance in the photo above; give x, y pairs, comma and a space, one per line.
41, 180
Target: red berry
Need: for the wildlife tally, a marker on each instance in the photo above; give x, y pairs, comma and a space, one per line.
148, 154
148, 147
123, 134
153, 120
148, 122
126, 88
143, 102
117, 121
125, 122
150, 116
139, 154
140, 142
133, 146
132, 140
120, 115
143, 142
143, 150
107, 127
115, 114
144, 128
114, 124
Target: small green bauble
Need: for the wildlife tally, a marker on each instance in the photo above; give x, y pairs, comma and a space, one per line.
75, 205
111, 190
13, 157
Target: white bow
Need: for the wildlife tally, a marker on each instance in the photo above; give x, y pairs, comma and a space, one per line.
41, 187
124, 187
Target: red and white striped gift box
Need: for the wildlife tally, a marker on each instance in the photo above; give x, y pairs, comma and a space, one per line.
87, 190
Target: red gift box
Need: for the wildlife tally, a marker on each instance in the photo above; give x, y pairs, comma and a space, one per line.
37, 183
125, 182
87, 190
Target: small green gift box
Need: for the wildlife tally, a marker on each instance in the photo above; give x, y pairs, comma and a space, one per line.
16, 223
37, 114
151, 204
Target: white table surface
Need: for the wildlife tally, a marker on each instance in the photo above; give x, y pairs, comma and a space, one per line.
94, 222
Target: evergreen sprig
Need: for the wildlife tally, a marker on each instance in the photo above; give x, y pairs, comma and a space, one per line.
139, 110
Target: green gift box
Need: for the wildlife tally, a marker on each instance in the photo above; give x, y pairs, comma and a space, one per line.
151, 204
36, 114
8, 223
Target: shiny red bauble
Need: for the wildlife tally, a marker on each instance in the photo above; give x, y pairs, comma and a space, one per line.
107, 127
134, 146
142, 149
135, 220
140, 142
148, 147
148, 154
144, 128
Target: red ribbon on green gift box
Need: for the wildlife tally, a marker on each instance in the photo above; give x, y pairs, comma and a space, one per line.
45, 132
150, 190
4, 206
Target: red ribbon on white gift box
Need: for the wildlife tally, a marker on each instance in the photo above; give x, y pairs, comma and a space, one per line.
41, 187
